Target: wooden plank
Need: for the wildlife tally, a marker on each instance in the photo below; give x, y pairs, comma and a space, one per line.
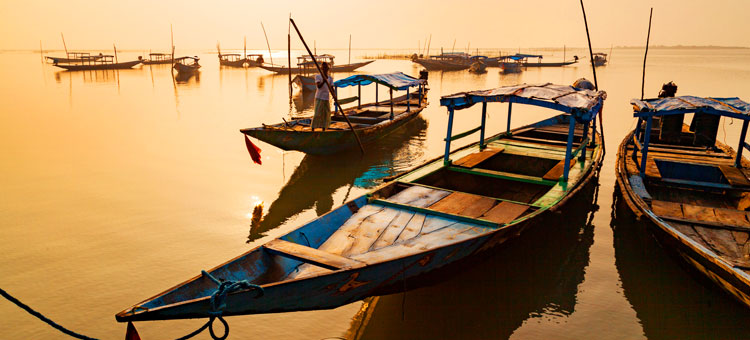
664, 208
556, 172
722, 242
461, 203
734, 176
433, 223
471, 160
360, 239
391, 233
413, 228
741, 237
505, 212
651, 169
698, 213
419, 196
732, 217
310, 255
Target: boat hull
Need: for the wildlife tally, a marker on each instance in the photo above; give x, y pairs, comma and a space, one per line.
565, 63
113, 66
304, 83
442, 65
700, 259
297, 70
181, 68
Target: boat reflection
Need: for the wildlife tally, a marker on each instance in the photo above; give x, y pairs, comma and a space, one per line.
533, 276
188, 77
670, 300
316, 178
303, 101
90, 76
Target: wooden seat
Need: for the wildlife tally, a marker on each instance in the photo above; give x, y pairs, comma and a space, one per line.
310, 255
505, 212
471, 160
557, 171
734, 176
706, 216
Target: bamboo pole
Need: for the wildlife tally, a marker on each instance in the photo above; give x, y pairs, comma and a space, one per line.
41, 51
64, 45
267, 44
350, 49
593, 69
115, 48
648, 37
330, 87
454, 46
428, 46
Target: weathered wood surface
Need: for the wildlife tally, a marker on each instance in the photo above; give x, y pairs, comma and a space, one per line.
556, 172
505, 212
734, 176
460, 203
473, 159
419, 196
708, 216
311, 255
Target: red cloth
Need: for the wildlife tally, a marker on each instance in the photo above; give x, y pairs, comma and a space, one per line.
132, 333
253, 150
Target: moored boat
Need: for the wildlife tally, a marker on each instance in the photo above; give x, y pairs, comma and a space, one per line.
445, 61
72, 57
186, 64
99, 62
691, 189
158, 59
370, 121
600, 59
445, 210
306, 66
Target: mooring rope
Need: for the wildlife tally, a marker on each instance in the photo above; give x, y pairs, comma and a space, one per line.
42, 317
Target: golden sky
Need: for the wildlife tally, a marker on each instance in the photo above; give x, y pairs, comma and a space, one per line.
144, 24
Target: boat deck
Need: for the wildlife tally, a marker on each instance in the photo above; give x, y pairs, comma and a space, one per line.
698, 192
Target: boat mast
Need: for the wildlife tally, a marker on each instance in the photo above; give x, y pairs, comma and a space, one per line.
64, 45
267, 44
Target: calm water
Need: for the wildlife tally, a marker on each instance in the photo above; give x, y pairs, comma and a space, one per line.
117, 185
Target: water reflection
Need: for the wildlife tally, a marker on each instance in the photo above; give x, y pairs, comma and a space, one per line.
317, 177
536, 275
670, 301
90, 76
303, 101
192, 78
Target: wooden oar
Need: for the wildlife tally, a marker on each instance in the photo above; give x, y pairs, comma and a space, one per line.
330, 87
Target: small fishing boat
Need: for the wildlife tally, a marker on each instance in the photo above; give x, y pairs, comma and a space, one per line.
478, 65
99, 62
692, 190
511, 66
186, 64
370, 121
72, 57
237, 60
306, 66
158, 59
539, 63
600, 59
448, 61
446, 210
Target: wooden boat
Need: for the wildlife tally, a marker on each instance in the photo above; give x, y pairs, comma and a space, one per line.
72, 57
100, 62
370, 121
445, 62
305, 65
478, 65
600, 59
158, 59
445, 210
186, 64
693, 190
539, 63
511, 67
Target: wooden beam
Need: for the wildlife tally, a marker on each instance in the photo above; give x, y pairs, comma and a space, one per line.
310, 255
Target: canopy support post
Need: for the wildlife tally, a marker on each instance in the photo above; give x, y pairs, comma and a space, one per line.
336, 107
510, 108
582, 157
637, 137
408, 101
593, 133
481, 132
376, 94
569, 148
391, 91
359, 95
446, 158
738, 160
644, 151
420, 94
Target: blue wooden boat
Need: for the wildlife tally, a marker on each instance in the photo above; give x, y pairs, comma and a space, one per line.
693, 190
370, 121
443, 211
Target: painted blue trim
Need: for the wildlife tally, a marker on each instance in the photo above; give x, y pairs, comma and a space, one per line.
446, 157
707, 110
484, 121
644, 151
510, 109
465, 102
568, 149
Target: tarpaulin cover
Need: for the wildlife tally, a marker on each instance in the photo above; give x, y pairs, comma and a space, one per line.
564, 98
692, 104
396, 80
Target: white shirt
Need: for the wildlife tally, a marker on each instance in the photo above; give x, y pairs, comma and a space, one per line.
322, 92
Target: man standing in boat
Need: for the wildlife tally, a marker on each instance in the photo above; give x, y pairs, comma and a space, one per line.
322, 117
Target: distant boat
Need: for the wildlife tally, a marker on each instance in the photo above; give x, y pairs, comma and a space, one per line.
72, 57
600, 59
306, 66
237, 60
446, 210
692, 190
511, 66
186, 64
158, 58
371, 121
447, 61
478, 65
100, 62
539, 62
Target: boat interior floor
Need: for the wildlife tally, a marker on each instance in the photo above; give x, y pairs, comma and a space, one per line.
437, 205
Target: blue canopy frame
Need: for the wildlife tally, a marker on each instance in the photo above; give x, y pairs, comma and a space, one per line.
393, 81
728, 107
583, 106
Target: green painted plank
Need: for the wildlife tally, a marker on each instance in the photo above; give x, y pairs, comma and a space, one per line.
503, 175
428, 212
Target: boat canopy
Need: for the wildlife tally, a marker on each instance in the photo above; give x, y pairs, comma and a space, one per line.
583, 104
731, 107
395, 80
